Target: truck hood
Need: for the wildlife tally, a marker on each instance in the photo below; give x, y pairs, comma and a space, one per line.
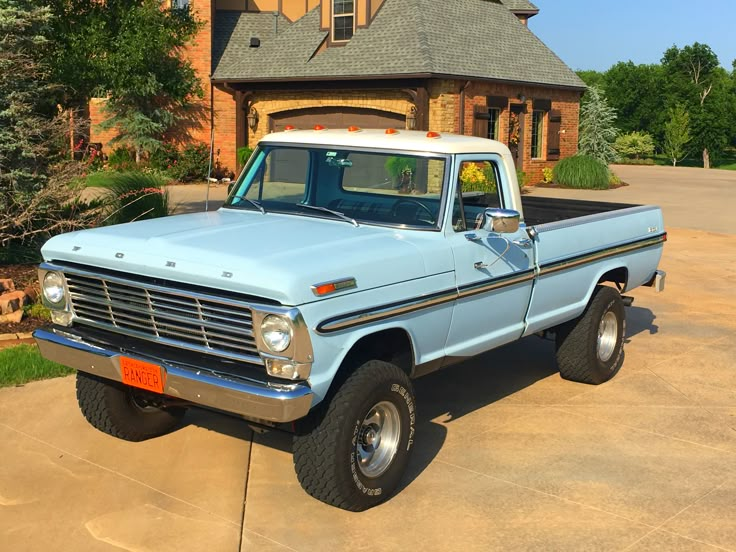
278, 257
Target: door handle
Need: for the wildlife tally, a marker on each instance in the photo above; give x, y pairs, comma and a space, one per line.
525, 243
472, 236
479, 265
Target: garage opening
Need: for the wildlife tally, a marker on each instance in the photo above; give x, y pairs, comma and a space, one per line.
336, 117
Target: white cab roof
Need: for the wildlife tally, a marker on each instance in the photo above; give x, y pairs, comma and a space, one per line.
407, 140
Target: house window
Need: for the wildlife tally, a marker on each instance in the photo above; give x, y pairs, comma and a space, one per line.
537, 133
494, 116
179, 4
343, 19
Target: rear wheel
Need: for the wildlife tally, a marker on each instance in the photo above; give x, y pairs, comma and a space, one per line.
123, 411
353, 454
590, 349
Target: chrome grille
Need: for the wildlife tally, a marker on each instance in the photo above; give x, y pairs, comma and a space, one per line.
178, 318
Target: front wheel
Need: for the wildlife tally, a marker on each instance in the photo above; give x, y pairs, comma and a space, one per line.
354, 454
122, 411
590, 349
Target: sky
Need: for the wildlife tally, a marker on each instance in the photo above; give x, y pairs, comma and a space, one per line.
596, 34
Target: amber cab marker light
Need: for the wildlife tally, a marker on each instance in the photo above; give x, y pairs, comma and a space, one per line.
353, 129
319, 127
431, 134
287, 128
391, 131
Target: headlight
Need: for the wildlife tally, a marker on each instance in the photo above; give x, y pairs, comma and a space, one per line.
53, 288
276, 333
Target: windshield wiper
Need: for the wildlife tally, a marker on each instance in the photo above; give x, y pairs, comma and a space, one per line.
251, 201
338, 214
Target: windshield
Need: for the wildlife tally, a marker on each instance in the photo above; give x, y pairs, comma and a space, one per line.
355, 186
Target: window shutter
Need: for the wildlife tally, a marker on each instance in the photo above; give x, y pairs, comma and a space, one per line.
480, 121
553, 135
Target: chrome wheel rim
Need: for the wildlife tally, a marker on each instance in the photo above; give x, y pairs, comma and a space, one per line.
378, 439
607, 336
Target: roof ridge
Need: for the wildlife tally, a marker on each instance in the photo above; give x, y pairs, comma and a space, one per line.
422, 37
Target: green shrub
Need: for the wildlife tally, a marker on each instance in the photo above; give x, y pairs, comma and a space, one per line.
625, 161
522, 178
192, 164
244, 154
396, 165
634, 145
581, 171
164, 157
121, 159
136, 196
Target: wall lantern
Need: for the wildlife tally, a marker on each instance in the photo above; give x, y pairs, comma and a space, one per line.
252, 118
522, 98
411, 118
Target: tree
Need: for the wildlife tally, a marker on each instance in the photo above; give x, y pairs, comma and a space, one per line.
25, 152
597, 130
129, 51
676, 134
635, 92
635, 145
35, 199
695, 79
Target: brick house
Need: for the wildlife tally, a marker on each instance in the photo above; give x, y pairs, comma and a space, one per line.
461, 66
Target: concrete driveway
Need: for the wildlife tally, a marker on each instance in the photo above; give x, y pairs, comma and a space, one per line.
508, 456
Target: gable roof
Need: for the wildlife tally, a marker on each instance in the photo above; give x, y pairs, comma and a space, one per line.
521, 6
453, 38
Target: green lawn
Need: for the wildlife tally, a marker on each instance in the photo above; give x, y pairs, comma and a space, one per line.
24, 363
99, 179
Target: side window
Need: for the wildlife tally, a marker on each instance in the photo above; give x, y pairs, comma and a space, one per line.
283, 176
477, 190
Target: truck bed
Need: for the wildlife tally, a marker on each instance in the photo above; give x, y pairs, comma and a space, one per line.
540, 210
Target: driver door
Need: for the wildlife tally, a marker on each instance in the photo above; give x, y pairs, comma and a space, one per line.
494, 272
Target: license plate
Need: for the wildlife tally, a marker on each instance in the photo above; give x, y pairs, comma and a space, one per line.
143, 375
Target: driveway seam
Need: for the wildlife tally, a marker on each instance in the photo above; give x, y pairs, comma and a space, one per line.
544, 493
714, 489
645, 430
245, 488
129, 478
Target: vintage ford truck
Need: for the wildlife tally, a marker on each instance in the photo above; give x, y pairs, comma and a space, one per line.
343, 264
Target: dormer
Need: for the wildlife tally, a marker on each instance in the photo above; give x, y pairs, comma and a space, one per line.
342, 17
522, 9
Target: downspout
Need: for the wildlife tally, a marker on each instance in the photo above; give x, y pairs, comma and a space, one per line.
462, 107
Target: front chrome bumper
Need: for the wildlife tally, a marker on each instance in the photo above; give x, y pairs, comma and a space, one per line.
254, 400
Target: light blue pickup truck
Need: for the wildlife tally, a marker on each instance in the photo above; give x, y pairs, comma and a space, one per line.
343, 264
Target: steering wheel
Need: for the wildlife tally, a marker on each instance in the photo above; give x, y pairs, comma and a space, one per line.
430, 216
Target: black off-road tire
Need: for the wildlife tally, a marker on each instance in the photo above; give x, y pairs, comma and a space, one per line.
326, 447
578, 340
114, 408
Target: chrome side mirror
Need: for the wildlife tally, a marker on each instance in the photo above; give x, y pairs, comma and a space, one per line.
501, 221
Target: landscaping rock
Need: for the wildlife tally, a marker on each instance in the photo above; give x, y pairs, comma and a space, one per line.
31, 293
12, 318
11, 302
6, 285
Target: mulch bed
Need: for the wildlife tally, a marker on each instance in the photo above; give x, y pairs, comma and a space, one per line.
23, 276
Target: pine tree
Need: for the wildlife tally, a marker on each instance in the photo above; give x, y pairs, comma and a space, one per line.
25, 151
597, 130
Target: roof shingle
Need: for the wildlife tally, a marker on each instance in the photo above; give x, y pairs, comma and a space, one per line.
462, 38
